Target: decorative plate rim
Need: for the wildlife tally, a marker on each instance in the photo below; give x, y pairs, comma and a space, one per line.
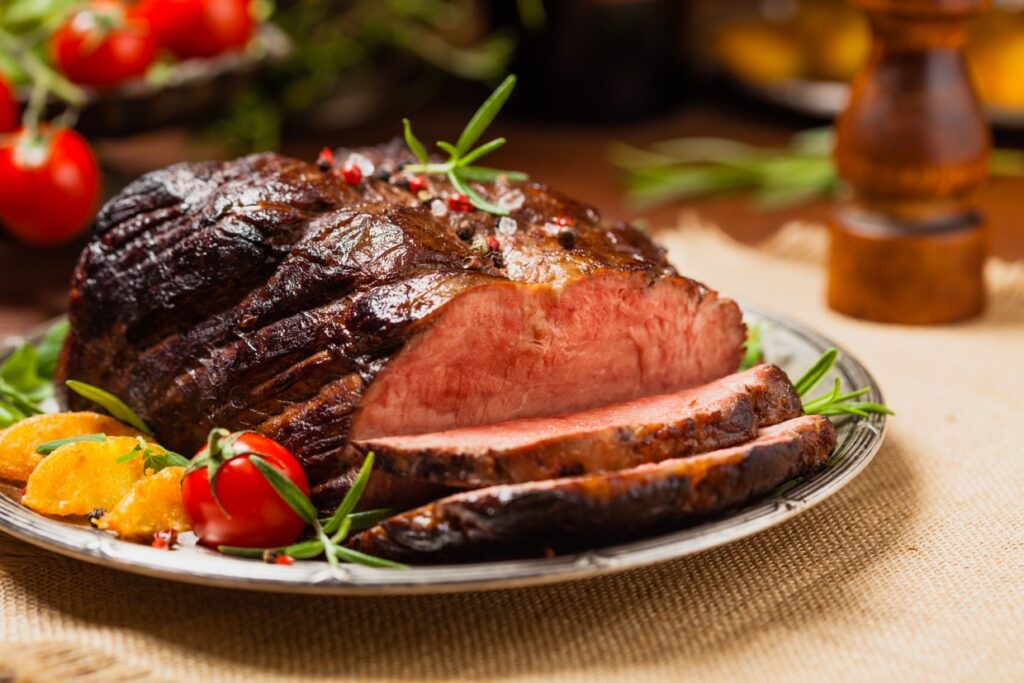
859, 442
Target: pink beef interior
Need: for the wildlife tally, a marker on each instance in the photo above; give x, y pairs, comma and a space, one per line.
652, 410
509, 351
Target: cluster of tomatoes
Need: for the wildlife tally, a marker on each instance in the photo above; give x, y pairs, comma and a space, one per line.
49, 179
110, 41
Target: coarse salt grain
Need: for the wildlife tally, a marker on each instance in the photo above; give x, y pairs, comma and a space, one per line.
364, 165
512, 201
507, 226
438, 208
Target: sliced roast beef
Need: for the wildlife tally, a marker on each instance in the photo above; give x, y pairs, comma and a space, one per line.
724, 413
595, 509
266, 293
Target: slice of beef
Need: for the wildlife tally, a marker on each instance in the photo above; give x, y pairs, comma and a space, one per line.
264, 293
523, 520
724, 413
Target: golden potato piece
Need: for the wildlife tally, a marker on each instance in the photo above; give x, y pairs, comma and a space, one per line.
84, 475
153, 504
18, 442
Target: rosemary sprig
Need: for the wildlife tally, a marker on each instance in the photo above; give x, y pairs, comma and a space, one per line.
459, 168
331, 532
800, 171
834, 403
48, 447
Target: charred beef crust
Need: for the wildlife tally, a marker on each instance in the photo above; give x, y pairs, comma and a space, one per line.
725, 413
526, 519
264, 293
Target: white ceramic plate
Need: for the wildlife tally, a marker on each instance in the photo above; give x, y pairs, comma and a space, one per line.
786, 343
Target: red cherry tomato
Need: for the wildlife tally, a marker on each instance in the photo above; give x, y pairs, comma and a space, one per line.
49, 183
8, 107
251, 513
103, 45
200, 28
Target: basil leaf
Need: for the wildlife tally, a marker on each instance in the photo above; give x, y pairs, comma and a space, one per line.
414, 144
351, 499
21, 370
485, 115
113, 405
49, 348
48, 447
288, 491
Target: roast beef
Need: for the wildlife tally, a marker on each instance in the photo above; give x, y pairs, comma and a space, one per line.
267, 293
596, 509
724, 413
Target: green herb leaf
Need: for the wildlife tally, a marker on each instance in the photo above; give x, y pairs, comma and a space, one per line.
752, 347
356, 557
453, 154
24, 404
474, 197
414, 144
483, 174
48, 447
288, 491
50, 346
482, 150
112, 404
21, 372
351, 499
810, 379
368, 518
485, 115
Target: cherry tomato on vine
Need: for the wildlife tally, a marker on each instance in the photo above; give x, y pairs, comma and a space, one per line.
49, 184
103, 45
8, 107
246, 511
200, 28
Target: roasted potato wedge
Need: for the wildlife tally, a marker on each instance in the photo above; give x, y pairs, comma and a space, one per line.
152, 505
18, 442
81, 476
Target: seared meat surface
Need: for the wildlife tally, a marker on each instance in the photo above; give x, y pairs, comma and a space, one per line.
597, 509
723, 413
268, 294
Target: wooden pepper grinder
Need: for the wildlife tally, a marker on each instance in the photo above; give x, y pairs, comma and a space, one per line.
908, 246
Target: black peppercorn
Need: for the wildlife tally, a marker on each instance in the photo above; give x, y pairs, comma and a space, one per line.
382, 174
498, 260
567, 238
465, 232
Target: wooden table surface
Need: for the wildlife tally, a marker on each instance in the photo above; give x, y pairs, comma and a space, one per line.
573, 158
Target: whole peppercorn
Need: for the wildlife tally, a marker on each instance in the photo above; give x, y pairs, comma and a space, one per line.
498, 260
492, 243
382, 174
465, 232
563, 221
567, 238
459, 202
417, 183
325, 162
352, 174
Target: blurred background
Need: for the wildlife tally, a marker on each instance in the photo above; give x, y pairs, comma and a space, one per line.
643, 108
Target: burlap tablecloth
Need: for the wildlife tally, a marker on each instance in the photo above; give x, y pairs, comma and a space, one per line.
913, 572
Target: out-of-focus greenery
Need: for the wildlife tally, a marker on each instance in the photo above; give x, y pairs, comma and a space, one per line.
334, 40
802, 171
